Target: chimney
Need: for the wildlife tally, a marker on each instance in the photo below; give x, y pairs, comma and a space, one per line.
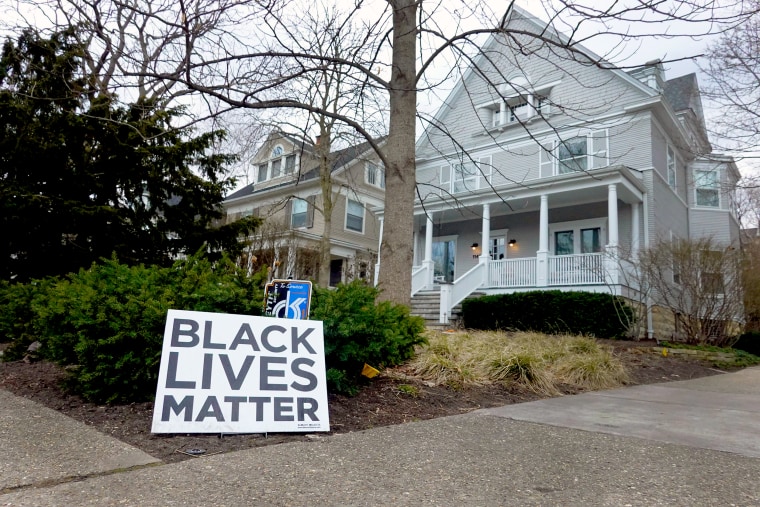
317, 140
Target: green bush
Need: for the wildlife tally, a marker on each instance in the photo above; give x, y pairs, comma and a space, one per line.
109, 320
551, 312
359, 331
17, 322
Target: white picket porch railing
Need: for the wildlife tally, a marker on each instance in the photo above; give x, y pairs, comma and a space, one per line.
563, 270
512, 272
580, 269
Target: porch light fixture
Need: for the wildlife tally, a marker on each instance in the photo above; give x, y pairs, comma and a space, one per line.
513, 242
475, 250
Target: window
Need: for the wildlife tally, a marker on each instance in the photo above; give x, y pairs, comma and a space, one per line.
290, 164
519, 111
277, 165
355, 216
707, 189
263, 172
497, 248
276, 168
300, 213
465, 177
563, 243
572, 155
591, 240
375, 175
579, 237
671, 167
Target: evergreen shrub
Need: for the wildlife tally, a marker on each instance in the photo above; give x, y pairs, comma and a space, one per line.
358, 330
108, 321
550, 312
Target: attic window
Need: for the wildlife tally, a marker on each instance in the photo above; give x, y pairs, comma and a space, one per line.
277, 165
518, 104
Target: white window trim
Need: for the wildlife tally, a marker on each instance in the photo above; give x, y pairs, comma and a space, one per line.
576, 227
293, 212
380, 174
548, 152
671, 158
447, 176
696, 198
364, 214
499, 110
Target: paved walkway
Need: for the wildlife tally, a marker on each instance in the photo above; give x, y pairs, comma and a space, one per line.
686, 443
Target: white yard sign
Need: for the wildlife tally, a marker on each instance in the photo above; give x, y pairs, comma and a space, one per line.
224, 373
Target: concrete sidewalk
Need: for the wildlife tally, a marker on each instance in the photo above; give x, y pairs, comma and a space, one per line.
607, 448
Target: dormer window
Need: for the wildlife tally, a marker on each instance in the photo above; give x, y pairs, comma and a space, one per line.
519, 103
278, 165
375, 175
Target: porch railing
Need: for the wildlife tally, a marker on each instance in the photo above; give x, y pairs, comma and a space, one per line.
577, 269
453, 294
512, 272
419, 278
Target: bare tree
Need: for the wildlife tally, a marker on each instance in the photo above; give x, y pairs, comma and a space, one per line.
257, 67
700, 282
733, 66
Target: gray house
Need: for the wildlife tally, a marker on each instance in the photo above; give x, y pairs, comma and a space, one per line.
541, 163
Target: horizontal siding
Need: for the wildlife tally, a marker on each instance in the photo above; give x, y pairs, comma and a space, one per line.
670, 213
629, 142
585, 91
714, 224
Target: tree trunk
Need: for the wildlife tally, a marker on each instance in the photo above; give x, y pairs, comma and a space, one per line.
395, 280
325, 181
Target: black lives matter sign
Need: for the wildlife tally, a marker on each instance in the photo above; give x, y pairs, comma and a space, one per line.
223, 373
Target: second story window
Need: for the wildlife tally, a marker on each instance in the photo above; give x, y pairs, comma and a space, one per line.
572, 155
300, 213
707, 189
354, 216
375, 175
671, 167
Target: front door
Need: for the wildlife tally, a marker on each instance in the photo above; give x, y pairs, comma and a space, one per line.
336, 272
444, 256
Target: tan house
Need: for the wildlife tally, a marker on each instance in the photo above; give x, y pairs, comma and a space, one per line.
287, 195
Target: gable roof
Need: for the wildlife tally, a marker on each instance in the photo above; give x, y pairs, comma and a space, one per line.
546, 30
341, 159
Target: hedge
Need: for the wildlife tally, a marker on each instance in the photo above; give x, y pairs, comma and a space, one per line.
552, 312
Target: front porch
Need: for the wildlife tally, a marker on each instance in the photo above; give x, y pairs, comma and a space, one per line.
577, 244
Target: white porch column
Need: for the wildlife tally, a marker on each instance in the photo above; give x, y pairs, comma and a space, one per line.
485, 238
612, 233
542, 256
379, 246
612, 214
427, 262
635, 232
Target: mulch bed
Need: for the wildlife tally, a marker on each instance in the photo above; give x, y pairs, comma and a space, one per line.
386, 400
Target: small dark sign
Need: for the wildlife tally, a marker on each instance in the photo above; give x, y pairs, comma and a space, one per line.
287, 299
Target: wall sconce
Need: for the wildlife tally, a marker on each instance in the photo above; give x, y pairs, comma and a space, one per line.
513, 243
475, 250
